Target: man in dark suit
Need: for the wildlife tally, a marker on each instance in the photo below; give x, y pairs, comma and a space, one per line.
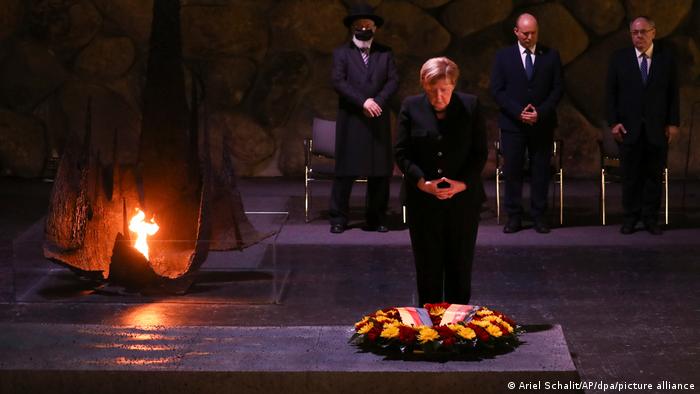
365, 76
642, 111
526, 83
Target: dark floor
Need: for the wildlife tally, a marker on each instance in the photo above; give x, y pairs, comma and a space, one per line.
629, 305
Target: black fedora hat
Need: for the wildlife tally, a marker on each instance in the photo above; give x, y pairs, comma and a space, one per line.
362, 11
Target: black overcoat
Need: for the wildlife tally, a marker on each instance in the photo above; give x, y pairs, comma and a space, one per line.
363, 145
443, 232
459, 153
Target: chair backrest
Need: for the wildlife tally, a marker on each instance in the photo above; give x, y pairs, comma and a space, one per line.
323, 135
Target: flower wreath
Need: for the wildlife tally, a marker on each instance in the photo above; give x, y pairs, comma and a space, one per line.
480, 328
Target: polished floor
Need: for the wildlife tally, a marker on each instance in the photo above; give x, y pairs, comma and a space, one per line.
629, 306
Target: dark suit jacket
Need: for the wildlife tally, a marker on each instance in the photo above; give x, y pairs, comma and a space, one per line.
363, 145
630, 102
513, 91
459, 152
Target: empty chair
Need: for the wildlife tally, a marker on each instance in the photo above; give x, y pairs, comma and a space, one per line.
557, 177
319, 158
610, 172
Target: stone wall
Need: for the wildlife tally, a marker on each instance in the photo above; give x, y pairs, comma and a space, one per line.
265, 66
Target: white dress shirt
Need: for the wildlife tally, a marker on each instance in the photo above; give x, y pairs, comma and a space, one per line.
649, 52
522, 53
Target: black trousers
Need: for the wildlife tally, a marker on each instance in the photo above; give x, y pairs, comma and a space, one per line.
376, 200
642, 165
514, 144
443, 235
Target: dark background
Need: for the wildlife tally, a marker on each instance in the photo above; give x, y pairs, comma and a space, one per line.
265, 66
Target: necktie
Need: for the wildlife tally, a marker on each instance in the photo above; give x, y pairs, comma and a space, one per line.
365, 55
644, 68
529, 68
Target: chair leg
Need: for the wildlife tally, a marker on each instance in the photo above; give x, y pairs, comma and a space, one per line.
602, 195
498, 196
666, 196
307, 196
561, 196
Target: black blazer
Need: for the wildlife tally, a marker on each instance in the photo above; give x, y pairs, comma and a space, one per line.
459, 152
363, 145
513, 91
630, 102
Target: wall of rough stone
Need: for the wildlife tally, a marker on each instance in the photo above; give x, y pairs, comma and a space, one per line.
265, 65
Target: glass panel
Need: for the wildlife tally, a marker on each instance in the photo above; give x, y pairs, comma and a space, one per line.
249, 276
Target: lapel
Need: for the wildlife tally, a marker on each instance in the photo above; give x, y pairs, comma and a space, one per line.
372, 61
540, 52
633, 65
429, 116
517, 60
656, 57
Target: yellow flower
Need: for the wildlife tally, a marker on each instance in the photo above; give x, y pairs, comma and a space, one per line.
382, 319
507, 326
390, 332
494, 331
379, 313
365, 329
463, 331
484, 312
361, 322
393, 323
500, 321
481, 323
437, 311
496, 319
427, 334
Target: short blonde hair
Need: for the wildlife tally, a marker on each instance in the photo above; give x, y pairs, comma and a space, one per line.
439, 68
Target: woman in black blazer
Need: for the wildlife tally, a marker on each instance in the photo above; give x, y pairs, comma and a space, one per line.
441, 149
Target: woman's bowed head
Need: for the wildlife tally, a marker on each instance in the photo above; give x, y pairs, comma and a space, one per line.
438, 77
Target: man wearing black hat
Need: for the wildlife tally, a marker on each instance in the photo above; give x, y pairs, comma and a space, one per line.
365, 77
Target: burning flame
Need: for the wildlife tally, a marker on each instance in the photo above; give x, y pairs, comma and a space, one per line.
142, 229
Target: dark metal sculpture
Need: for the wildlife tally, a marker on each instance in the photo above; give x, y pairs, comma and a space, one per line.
195, 203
